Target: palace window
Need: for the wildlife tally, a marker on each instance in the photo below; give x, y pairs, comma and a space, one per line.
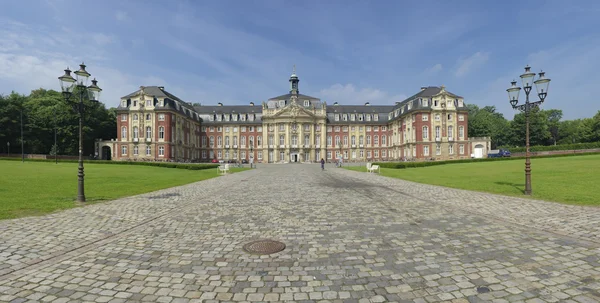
226, 140
425, 134
368, 140
135, 117
451, 149
124, 117
425, 117
438, 149
136, 132
148, 150
306, 140
337, 141
361, 140
123, 132
345, 140
124, 150
235, 140
437, 117
426, 150
437, 132
329, 141
281, 140
259, 140
161, 151
219, 142
135, 150
294, 139
353, 140
375, 140
161, 132
271, 140
148, 132
461, 149
383, 140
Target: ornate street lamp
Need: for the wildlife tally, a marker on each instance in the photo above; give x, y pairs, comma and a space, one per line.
92, 92
8, 147
251, 154
541, 85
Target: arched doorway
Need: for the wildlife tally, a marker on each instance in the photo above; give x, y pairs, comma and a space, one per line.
478, 151
106, 153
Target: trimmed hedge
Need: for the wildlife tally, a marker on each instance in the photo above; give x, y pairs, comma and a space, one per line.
542, 148
190, 166
401, 165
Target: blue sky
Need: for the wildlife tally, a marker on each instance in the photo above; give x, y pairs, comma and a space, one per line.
351, 52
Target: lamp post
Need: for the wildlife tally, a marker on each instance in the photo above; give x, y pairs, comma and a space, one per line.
8, 148
22, 143
55, 146
68, 85
541, 85
251, 154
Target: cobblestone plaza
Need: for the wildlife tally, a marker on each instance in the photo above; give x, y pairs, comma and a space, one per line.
349, 236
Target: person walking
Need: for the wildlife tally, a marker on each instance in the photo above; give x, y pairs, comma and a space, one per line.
322, 164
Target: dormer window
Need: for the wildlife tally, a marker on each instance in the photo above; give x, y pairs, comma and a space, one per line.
281, 103
134, 103
425, 102
368, 117
148, 102
352, 117
135, 117
376, 117
124, 103
345, 117
460, 103
336, 117
306, 103
234, 117
162, 102
435, 103
360, 117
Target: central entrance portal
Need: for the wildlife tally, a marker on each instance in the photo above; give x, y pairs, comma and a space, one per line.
294, 158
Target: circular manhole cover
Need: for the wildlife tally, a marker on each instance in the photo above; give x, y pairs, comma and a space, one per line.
264, 247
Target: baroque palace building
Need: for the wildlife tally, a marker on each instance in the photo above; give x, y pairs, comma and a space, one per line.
155, 125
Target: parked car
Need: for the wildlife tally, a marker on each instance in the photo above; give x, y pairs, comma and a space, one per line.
498, 153
215, 161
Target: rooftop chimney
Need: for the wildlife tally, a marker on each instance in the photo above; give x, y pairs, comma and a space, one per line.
423, 87
220, 104
251, 103
367, 104
161, 87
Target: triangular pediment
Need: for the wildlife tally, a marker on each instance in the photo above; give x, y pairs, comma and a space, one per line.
294, 111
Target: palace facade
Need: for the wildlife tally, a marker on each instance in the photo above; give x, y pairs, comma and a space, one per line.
154, 124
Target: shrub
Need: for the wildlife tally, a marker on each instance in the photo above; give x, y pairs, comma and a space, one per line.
401, 165
190, 166
542, 148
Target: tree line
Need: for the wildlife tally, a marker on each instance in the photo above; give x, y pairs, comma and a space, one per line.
546, 127
43, 111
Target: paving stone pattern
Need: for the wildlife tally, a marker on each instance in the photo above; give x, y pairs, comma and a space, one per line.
350, 236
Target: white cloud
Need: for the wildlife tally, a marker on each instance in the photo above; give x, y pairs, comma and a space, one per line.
349, 94
102, 39
434, 69
466, 65
121, 15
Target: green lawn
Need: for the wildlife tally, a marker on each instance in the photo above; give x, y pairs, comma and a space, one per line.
35, 188
570, 180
